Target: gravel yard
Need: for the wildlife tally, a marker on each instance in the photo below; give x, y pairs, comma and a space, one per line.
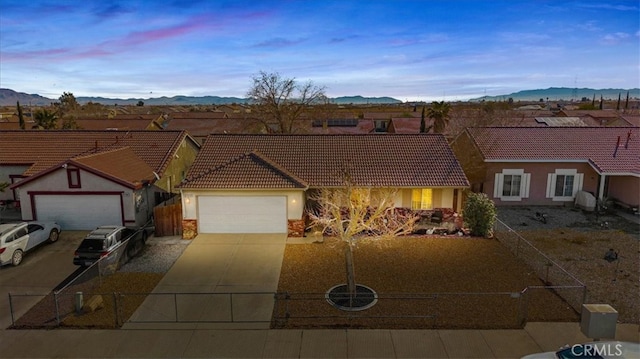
578, 241
158, 256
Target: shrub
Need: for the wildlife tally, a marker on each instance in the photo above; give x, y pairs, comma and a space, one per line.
479, 214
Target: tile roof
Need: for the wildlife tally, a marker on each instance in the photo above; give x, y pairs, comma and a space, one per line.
207, 115
249, 170
117, 124
408, 125
121, 163
423, 160
596, 145
204, 127
43, 149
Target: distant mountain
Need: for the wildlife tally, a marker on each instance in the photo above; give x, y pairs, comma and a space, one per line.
359, 100
563, 94
10, 97
159, 101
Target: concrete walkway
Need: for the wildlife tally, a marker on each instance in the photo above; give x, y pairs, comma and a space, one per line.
211, 268
201, 343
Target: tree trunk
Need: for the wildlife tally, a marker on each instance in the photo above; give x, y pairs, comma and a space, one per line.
351, 275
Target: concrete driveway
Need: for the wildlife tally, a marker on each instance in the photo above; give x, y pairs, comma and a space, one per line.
41, 270
224, 280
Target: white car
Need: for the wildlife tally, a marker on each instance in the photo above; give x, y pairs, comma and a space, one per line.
18, 238
593, 350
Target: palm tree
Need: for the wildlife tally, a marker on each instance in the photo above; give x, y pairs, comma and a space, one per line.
45, 119
439, 112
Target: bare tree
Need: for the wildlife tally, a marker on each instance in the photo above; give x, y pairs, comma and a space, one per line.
351, 212
280, 101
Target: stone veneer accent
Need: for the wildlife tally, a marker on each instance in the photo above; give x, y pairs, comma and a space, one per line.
296, 227
189, 228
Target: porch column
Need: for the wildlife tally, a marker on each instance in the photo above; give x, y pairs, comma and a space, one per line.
601, 189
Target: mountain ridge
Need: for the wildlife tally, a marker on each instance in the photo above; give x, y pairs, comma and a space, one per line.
9, 97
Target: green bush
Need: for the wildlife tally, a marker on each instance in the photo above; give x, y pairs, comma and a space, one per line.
479, 214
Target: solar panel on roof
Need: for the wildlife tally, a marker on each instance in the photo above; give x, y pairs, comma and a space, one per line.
561, 121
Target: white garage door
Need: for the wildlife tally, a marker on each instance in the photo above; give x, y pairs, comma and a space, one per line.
242, 214
79, 212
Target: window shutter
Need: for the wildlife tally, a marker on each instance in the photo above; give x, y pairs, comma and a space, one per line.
497, 185
577, 185
551, 184
524, 185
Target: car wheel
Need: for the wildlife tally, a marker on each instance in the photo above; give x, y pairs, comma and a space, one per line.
16, 258
53, 235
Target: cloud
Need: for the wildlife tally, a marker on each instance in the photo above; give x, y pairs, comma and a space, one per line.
610, 7
278, 42
615, 38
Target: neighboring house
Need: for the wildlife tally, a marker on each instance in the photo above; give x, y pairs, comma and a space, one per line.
340, 126
596, 117
117, 123
201, 124
84, 179
261, 183
549, 165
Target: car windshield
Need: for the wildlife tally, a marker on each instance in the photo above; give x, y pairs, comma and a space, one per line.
92, 244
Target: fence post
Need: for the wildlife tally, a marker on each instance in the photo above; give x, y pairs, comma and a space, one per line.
116, 308
13, 321
55, 299
175, 304
231, 305
522, 310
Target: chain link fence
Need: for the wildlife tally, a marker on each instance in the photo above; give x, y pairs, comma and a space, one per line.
553, 276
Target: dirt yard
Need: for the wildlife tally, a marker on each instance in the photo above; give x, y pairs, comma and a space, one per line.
578, 242
422, 266
453, 282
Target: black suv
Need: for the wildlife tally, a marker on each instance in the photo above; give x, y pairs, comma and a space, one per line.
117, 243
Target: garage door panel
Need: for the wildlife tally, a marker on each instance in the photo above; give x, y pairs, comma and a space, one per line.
242, 214
79, 212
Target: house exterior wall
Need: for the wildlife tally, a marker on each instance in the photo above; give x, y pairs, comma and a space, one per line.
295, 200
442, 198
178, 166
625, 189
539, 175
56, 183
6, 173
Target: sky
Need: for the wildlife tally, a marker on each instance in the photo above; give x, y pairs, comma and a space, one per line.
411, 50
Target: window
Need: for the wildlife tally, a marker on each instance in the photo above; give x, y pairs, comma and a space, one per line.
511, 185
73, 177
563, 184
422, 198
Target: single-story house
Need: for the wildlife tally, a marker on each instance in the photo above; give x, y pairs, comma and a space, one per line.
261, 183
83, 179
550, 165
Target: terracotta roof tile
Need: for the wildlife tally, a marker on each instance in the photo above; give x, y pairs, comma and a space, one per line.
596, 145
121, 163
117, 124
424, 160
43, 149
249, 170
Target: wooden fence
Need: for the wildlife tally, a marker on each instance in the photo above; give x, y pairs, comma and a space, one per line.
168, 220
